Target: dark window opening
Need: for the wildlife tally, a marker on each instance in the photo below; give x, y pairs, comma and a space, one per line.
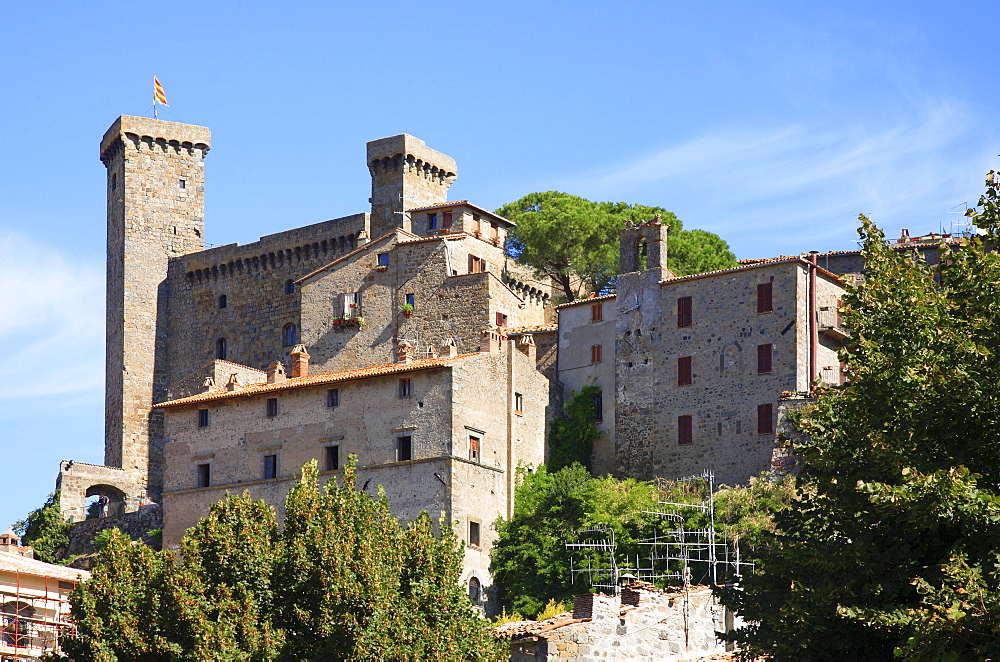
333, 397
599, 407
684, 376
203, 418
684, 436
220, 349
518, 403
383, 260
332, 458
270, 466
181, 183
475, 590
410, 300
405, 388
765, 302
223, 301
596, 353
289, 335
204, 475
432, 221
764, 356
404, 448
272, 407
765, 419
684, 316
474, 534
474, 448
501, 320
446, 220
289, 287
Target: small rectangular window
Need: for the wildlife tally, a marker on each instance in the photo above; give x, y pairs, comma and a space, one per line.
474, 534
518, 403
596, 352
270, 466
405, 388
446, 220
684, 437
599, 407
204, 475
404, 448
411, 300
352, 305
501, 320
474, 448
477, 265
181, 183
383, 260
764, 354
333, 397
272, 407
765, 303
765, 419
332, 458
684, 311
203, 418
684, 377
432, 221
597, 312
494, 231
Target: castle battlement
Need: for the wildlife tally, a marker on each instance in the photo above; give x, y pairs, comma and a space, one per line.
145, 130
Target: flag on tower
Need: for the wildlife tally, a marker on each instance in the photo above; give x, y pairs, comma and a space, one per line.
158, 96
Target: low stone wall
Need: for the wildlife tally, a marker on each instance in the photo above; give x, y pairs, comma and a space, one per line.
136, 525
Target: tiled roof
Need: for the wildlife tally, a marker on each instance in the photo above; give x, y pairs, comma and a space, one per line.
538, 328
580, 302
521, 628
26, 566
456, 203
316, 380
747, 267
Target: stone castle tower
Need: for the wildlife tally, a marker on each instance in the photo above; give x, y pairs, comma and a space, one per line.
406, 174
155, 189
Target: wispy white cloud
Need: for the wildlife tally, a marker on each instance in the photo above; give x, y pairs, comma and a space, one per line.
51, 320
800, 187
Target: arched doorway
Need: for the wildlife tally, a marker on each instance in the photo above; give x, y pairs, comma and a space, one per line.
116, 501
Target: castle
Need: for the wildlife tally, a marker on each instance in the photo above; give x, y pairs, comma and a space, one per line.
406, 336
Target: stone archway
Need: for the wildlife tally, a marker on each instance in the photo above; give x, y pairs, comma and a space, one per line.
116, 498
77, 481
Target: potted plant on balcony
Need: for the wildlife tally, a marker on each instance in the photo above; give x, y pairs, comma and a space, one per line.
407, 308
360, 321
382, 267
338, 321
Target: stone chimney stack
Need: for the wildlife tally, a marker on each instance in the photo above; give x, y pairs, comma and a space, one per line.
904, 236
208, 384
491, 341
300, 361
233, 384
450, 348
276, 372
404, 352
526, 345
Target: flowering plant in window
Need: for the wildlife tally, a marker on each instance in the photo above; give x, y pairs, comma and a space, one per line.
360, 321
407, 309
338, 321
354, 305
381, 267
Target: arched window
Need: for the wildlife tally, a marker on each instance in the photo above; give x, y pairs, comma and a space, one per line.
475, 590
289, 335
223, 301
289, 287
220, 349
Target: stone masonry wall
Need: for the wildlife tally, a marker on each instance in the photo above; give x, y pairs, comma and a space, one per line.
141, 524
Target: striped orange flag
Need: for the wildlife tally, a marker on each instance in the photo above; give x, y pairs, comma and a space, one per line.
158, 95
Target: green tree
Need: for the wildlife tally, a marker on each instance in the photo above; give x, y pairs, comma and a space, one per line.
45, 530
572, 435
891, 546
574, 241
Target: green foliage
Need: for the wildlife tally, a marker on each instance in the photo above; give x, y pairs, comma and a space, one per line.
575, 241
572, 436
45, 531
343, 581
553, 608
891, 545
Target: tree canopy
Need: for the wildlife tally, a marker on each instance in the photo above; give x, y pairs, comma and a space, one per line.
45, 531
892, 547
574, 241
343, 580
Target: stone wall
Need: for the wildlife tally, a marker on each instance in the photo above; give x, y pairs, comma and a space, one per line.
144, 524
126, 490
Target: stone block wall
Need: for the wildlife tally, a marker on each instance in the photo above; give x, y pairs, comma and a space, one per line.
144, 524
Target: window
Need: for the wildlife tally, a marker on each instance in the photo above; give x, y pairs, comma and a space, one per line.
501, 320
223, 301
204, 475
432, 221
764, 354
405, 388
475, 590
518, 403
599, 407
272, 407
383, 259
765, 418
474, 448
404, 448
684, 431
494, 231
352, 304
410, 300
333, 397
289, 335
684, 371
446, 220
270, 466
332, 458
477, 265
220, 349
597, 312
181, 183
289, 287
203, 418
474, 534
595, 353
765, 303
684, 311
476, 225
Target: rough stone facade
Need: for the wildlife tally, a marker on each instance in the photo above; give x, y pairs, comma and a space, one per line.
143, 524
643, 623
449, 442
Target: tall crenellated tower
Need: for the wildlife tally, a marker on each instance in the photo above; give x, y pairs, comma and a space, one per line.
155, 191
406, 174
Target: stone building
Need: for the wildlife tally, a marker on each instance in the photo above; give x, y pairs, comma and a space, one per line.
417, 268
443, 434
693, 367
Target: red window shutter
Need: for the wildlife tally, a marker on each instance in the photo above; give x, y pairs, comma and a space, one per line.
765, 422
765, 303
597, 312
684, 371
595, 354
447, 219
764, 353
684, 311
684, 430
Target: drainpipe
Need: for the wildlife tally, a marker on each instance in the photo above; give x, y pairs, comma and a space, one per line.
813, 326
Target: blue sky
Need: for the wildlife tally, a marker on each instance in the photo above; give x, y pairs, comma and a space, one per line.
773, 126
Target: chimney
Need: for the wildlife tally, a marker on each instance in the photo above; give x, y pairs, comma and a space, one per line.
208, 384
904, 236
450, 348
526, 345
362, 238
300, 361
276, 373
233, 384
404, 352
491, 341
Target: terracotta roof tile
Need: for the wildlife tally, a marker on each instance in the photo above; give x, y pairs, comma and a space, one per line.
747, 267
316, 380
580, 302
538, 328
26, 566
456, 203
